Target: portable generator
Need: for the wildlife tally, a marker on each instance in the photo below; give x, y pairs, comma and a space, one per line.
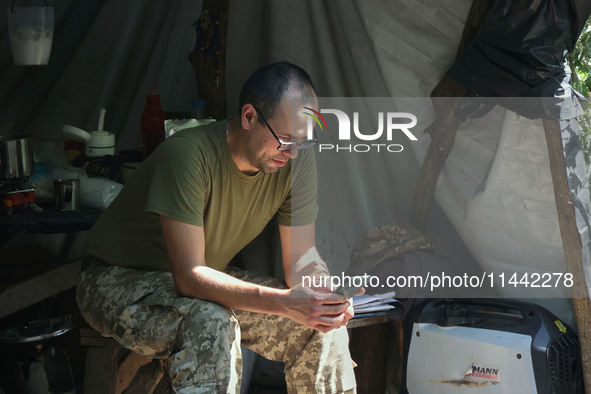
489, 346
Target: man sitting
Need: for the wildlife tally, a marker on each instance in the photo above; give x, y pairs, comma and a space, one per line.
155, 277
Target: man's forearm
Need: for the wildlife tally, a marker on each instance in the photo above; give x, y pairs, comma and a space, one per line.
193, 278
309, 264
305, 306
299, 254
211, 285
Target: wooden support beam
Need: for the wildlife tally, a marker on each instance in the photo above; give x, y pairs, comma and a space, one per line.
443, 129
443, 133
209, 56
29, 292
571, 242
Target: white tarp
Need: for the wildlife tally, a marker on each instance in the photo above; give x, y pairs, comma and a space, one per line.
495, 189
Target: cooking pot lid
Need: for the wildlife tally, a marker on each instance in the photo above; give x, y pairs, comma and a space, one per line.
38, 330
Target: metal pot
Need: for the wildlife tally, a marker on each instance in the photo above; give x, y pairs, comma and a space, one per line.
16, 157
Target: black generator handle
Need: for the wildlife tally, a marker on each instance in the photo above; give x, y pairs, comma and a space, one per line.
474, 317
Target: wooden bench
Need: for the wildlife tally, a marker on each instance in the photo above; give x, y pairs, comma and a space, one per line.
113, 369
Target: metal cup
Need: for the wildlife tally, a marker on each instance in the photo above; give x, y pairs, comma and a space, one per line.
67, 194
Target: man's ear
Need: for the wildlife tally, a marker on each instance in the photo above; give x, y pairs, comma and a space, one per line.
248, 117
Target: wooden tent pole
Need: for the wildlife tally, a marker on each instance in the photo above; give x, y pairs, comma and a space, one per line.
571, 242
443, 129
443, 133
209, 56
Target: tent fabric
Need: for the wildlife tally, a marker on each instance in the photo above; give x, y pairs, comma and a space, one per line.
364, 49
105, 53
495, 188
109, 53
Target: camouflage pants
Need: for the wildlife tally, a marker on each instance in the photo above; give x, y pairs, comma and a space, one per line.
201, 339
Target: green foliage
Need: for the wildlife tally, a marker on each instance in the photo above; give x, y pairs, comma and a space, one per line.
585, 123
580, 63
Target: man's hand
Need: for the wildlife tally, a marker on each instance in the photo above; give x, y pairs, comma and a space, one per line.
322, 311
318, 308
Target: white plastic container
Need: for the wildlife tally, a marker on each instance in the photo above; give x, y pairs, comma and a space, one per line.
98, 143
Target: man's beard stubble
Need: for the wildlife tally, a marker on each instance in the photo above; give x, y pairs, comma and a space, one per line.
263, 163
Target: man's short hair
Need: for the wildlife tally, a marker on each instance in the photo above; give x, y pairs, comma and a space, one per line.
265, 88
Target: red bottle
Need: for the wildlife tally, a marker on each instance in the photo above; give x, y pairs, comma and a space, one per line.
152, 123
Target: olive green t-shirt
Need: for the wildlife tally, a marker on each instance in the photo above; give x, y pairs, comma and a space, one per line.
191, 177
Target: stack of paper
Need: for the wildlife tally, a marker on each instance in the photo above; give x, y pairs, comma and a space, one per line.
374, 303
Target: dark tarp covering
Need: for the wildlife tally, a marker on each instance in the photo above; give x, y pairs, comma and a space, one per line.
520, 50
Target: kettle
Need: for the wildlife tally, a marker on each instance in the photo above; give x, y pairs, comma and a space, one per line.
98, 143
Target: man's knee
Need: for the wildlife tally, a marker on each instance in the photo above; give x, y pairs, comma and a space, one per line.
208, 354
210, 322
104, 292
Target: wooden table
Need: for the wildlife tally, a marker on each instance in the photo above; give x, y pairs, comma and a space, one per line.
31, 274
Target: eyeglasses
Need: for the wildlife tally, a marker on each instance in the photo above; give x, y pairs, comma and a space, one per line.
289, 145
